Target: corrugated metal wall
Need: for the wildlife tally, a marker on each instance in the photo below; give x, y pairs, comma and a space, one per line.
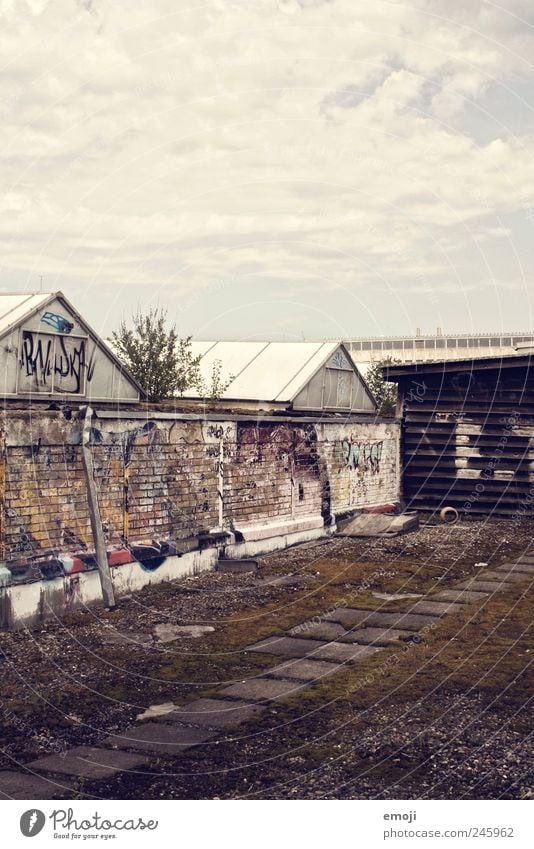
468, 440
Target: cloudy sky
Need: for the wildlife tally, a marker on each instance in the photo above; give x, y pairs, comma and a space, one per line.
272, 168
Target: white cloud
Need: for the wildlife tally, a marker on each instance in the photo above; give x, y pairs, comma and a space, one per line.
150, 142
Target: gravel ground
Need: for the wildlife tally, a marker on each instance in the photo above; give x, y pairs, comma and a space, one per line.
71, 682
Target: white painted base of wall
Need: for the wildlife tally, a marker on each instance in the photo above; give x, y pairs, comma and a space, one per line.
29, 605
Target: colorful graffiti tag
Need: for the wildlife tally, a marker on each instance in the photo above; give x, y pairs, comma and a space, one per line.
365, 456
58, 322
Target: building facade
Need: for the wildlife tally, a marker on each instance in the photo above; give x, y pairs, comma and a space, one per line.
429, 348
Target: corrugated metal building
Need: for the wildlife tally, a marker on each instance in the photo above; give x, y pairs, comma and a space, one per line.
468, 434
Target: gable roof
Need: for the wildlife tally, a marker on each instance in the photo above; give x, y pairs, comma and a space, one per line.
268, 371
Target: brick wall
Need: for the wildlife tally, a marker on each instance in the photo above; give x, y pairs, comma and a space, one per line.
164, 479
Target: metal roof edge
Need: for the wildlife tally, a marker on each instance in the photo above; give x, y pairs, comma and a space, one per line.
310, 377
48, 298
506, 361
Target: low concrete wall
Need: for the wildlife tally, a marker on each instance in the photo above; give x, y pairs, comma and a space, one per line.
28, 605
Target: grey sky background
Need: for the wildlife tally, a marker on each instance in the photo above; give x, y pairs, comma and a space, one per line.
272, 168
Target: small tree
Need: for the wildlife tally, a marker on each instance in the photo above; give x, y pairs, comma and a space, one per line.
217, 384
384, 391
162, 363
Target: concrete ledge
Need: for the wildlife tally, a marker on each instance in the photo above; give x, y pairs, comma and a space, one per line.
266, 546
281, 528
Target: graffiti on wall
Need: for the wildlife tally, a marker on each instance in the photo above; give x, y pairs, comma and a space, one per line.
58, 322
181, 478
364, 456
55, 362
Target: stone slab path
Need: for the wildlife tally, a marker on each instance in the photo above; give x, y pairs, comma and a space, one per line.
264, 689
349, 617
159, 738
312, 651
24, 785
303, 669
89, 762
213, 713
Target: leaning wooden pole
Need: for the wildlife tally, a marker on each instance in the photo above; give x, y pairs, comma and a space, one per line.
99, 540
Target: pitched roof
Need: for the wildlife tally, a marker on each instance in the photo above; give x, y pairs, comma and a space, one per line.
265, 371
16, 307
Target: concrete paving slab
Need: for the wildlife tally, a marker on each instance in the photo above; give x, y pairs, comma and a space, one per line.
318, 630
263, 689
167, 633
376, 636
213, 713
404, 522
396, 596
303, 669
507, 577
24, 785
159, 738
526, 561
365, 525
484, 586
289, 646
378, 524
437, 608
461, 596
89, 762
526, 566
345, 652
358, 618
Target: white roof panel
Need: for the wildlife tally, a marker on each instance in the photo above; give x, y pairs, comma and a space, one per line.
201, 348
263, 371
300, 378
15, 307
235, 357
266, 377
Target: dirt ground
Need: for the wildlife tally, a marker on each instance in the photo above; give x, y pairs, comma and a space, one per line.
448, 719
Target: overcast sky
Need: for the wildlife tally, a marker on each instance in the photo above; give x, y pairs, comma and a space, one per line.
272, 168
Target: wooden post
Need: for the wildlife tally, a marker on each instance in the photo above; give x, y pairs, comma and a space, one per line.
99, 540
